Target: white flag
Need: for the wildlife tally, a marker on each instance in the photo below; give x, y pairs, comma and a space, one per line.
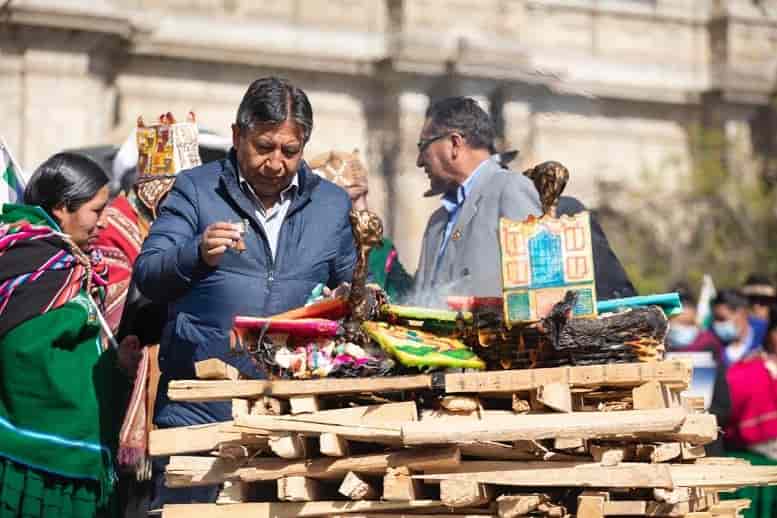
704, 306
11, 177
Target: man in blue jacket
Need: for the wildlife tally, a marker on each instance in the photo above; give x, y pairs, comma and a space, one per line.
298, 235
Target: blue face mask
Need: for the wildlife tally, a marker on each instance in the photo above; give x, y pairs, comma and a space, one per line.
726, 331
682, 335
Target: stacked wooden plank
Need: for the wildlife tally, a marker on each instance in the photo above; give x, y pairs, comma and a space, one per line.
590, 441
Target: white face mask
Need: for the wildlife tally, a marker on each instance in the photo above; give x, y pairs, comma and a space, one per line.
726, 330
682, 335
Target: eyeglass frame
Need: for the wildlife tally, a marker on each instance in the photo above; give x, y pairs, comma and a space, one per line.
422, 144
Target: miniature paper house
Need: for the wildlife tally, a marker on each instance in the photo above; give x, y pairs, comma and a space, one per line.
542, 259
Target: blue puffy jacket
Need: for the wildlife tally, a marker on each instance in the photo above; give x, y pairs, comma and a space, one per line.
315, 246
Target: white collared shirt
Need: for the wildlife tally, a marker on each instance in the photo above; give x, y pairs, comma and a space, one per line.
271, 219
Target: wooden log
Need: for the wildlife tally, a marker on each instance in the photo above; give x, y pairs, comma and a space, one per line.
698, 429
555, 396
356, 487
233, 451
551, 510
185, 471
333, 445
291, 509
443, 511
513, 506
519, 405
665, 452
398, 485
267, 405
233, 492
672, 496
370, 433
694, 404
611, 458
561, 474
723, 475
201, 390
623, 452
427, 459
625, 475
499, 451
691, 452
371, 423
336, 387
367, 414
304, 404
215, 369
287, 445
590, 506
564, 443
298, 489
673, 373
434, 513
240, 406
196, 471
671, 423
649, 396
463, 493
198, 438
441, 414
460, 404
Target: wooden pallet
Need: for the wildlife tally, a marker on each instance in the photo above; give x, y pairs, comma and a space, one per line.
596, 441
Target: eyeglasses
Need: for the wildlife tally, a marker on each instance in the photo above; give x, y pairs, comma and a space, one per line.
426, 142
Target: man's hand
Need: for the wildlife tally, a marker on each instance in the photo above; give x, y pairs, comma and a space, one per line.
216, 239
129, 354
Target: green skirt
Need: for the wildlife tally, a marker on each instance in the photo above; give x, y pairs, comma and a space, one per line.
27, 493
763, 500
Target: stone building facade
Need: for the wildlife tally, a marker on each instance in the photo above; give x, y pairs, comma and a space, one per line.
608, 87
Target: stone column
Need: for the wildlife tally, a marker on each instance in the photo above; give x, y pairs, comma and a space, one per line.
518, 127
410, 210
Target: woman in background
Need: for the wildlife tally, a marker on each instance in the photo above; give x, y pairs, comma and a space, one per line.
750, 418
62, 393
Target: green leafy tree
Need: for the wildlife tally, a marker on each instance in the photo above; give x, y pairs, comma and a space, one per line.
719, 216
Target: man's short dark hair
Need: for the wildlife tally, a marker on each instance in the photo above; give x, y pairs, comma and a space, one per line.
730, 298
272, 100
465, 116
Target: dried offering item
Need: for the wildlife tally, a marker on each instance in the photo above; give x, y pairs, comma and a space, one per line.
240, 244
368, 233
416, 348
298, 327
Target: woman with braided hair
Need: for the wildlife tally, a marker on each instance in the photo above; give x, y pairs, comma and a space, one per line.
62, 392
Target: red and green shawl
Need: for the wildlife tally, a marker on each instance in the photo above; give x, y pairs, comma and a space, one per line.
61, 395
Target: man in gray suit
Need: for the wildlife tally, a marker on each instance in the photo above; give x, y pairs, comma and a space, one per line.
460, 250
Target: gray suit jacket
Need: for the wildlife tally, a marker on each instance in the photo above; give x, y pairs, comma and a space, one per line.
471, 263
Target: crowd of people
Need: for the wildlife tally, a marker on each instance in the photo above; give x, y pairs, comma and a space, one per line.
741, 337
104, 302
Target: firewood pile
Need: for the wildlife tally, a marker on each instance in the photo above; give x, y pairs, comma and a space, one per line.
587, 441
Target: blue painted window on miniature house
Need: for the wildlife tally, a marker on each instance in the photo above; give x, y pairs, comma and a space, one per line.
546, 261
